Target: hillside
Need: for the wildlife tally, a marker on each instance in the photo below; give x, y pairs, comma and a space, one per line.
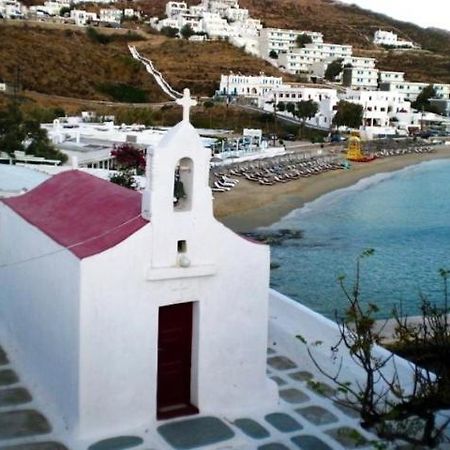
69, 63
341, 23
349, 24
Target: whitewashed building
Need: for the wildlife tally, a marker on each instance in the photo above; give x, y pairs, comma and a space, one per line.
94, 277
442, 91
318, 69
215, 26
237, 14
389, 76
219, 6
111, 15
409, 89
246, 35
173, 9
49, 8
82, 17
12, 9
390, 39
383, 112
302, 60
326, 99
250, 86
282, 40
360, 77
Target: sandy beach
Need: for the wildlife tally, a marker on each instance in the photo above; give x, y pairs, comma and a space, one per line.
251, 205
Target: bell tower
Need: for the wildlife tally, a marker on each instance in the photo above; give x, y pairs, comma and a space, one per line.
177, 200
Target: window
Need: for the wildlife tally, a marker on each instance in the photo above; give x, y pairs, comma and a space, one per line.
181, 247
183, 185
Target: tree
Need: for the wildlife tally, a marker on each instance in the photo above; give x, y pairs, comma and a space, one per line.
290, 107
306, 110
171, 32
422, 102
65, 10
273, 54
303, 39
12, 133
348, 114
333, 69
396, 406
187, 31
18, 133
281, 106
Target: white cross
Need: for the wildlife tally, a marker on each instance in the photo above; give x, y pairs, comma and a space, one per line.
186, 102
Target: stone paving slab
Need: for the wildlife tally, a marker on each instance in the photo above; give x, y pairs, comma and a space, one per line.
8, 377
321, 388
348, 437
317, 415
14, 396
346, 410
197, 432
293, 395
278, 380
23, 423
117, 443
306, 442
304, 419
36, 446
301, 376
281, 363
283, 422
273, 446
251, 428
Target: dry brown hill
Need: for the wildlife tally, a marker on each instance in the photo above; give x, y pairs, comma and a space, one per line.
341, 23
349, 24
65, 61
68, 63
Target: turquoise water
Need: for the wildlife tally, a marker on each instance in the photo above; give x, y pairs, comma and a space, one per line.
404, 216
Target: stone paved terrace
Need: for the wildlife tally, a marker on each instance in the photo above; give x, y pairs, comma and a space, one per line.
22, 426
304, 419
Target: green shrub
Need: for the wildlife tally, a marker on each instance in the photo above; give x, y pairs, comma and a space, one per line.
121, 92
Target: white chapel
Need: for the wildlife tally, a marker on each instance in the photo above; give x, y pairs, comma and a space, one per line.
127, 309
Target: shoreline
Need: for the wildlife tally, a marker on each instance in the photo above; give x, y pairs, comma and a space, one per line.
250, 205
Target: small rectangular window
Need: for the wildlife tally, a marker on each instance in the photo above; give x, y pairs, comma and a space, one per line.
182, 246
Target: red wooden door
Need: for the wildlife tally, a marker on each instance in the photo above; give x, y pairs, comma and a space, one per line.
174, 361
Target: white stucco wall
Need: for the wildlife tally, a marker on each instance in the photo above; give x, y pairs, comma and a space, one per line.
39, 312
227, 279
88, 330
119, 322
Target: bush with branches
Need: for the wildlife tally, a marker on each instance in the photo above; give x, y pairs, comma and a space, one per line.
395, 405
130, 161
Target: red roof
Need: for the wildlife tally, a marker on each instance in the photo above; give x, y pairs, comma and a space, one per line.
81, 212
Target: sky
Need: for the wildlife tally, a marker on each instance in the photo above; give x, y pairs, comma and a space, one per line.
429, 13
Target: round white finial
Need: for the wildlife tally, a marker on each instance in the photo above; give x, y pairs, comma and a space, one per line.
184, 261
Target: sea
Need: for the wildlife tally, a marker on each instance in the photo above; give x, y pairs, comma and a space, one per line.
404, 216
